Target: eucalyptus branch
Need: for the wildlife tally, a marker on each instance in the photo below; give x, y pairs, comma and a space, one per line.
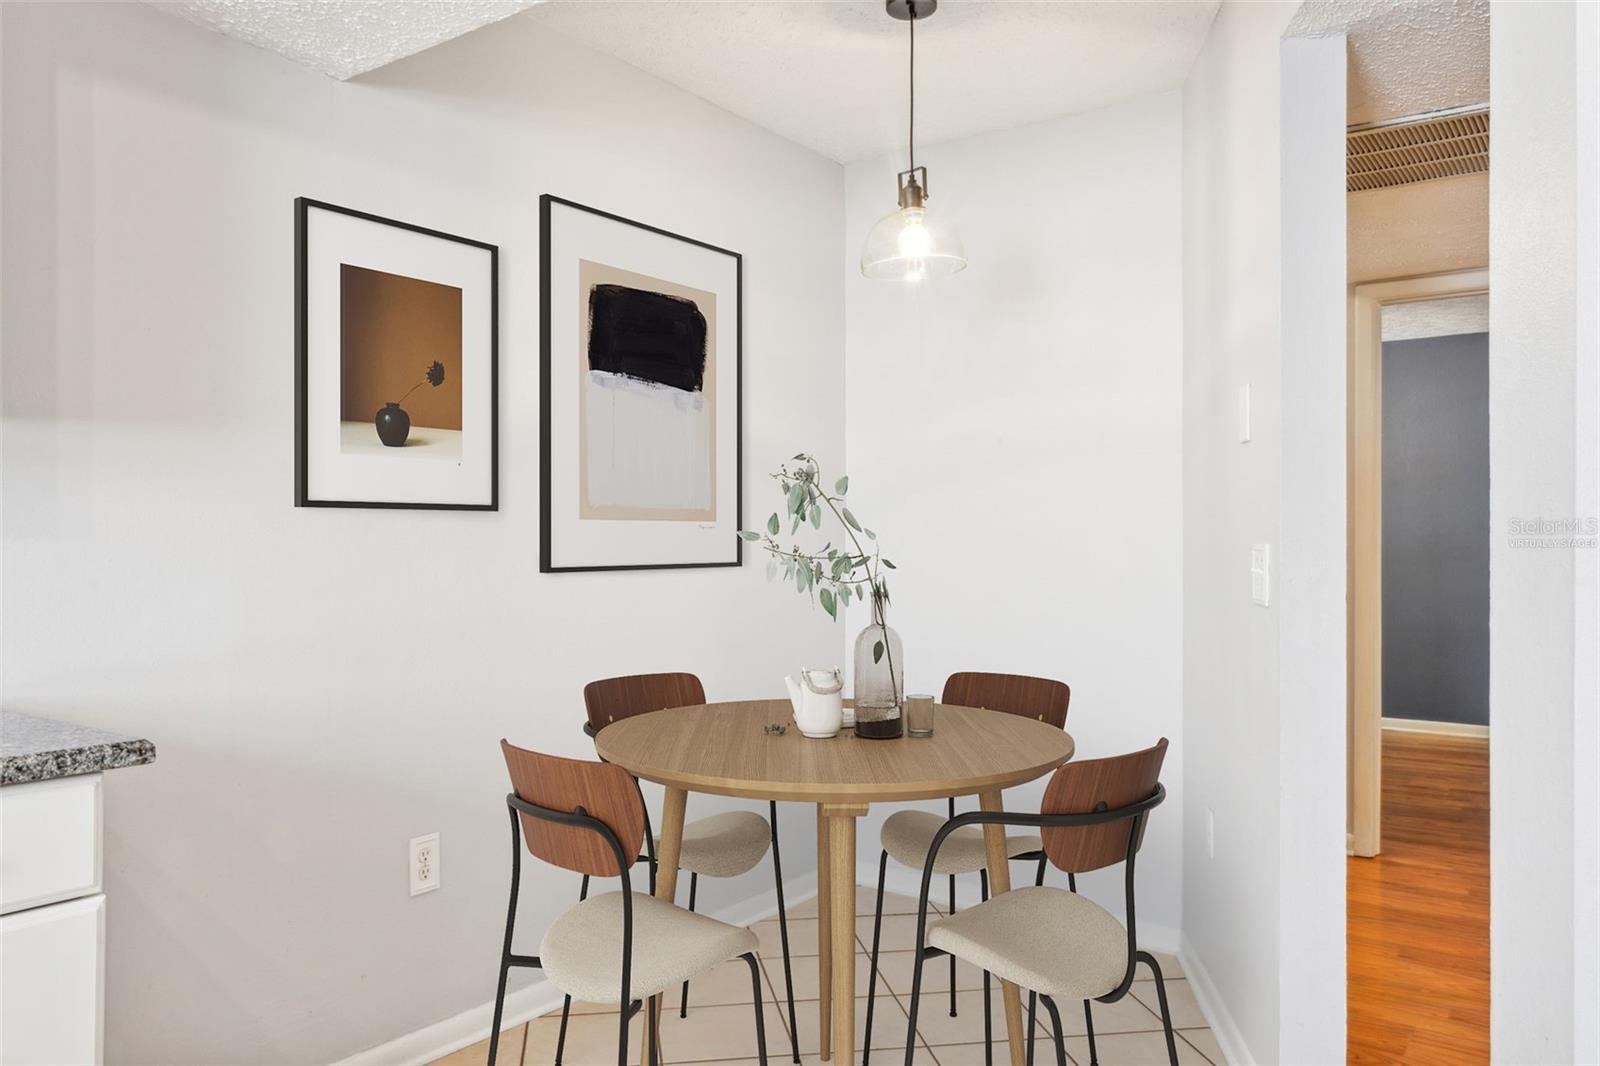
819, 574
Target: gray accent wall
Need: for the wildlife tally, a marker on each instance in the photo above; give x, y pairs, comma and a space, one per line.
1436, 529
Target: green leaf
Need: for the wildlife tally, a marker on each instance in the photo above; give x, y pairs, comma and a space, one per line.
890, 565
877, 651
772, 568
802, 576
870, 534
747, 535
827, 603
772, 524
844, 594
842, 486
797, 498
851, 519
799, 456
816, 517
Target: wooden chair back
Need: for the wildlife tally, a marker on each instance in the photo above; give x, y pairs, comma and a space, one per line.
1083, 787
604, 791
616, 698
1029, 697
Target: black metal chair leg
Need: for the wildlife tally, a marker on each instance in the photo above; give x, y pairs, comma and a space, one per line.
872, 973
783, 930
952, 911
755, 986
1161, 994
916, 998
655, 1038
1033, 1028
566, 1001
683, 1002
1055, 1025
622, 1039
988, 1009
505, 948
1088, 1025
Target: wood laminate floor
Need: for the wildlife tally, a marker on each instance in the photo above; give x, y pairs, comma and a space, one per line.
1418, 931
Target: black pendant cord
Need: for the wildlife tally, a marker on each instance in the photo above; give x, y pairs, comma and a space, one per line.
911, 80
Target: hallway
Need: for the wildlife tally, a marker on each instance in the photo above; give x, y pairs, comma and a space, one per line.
1419, 912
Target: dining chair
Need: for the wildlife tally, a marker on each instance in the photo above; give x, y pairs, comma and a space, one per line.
722, 845
588, 817
1052, 941
907, 835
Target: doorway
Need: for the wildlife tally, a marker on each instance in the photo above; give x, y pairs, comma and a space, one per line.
1418, 876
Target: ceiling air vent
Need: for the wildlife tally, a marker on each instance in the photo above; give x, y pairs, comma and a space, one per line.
1439, 144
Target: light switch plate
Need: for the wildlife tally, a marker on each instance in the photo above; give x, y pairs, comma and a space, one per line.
1260, 574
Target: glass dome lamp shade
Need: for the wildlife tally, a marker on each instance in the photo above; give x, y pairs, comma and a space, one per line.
909, 244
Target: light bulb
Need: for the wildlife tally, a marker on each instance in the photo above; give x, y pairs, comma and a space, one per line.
914, 241
908, 244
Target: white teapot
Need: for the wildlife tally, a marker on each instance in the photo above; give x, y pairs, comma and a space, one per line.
818, 699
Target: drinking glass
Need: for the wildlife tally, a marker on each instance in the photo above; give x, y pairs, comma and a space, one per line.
919, 716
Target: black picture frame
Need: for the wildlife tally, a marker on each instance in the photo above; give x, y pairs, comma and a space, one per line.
302, 498
546, 564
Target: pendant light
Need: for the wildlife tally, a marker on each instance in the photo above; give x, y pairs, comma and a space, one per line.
910, 244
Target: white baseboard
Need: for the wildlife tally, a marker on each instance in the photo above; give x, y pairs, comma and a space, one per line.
1223, 1027
1445, 729
1153, 936
540, 998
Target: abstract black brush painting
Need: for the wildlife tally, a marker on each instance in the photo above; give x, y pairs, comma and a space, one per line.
641, 394
647, 336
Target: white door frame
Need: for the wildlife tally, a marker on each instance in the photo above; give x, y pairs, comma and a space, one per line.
1365, 467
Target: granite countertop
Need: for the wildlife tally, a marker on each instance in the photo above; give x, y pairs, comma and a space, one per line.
39, 749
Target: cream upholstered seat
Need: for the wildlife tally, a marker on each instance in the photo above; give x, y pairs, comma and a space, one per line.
907, 836
1044, 939
582, 950
724, 845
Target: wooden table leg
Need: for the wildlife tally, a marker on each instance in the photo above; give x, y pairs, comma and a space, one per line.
824, 939
842, 917
994, 838
666, 887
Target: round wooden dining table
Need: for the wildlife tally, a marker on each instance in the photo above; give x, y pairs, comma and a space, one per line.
724, 749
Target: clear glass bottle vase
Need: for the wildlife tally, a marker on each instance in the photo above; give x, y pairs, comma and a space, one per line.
881, 677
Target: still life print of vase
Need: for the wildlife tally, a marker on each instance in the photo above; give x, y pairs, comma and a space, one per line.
880, 665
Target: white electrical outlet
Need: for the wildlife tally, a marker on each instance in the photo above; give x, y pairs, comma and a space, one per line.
424, 864
1211, 834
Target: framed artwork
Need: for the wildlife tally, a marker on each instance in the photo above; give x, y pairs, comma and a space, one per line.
640, 375
395, 364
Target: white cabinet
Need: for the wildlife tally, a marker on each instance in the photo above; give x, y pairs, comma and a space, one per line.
52, 933
49, 841
52, 983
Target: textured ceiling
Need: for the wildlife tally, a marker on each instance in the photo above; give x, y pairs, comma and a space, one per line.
1436, 318
832, 76
343, 38
1406, 56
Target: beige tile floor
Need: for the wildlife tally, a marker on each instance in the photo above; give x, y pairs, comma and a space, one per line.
720, 1030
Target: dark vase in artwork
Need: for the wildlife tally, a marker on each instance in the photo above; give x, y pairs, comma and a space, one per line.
394, 425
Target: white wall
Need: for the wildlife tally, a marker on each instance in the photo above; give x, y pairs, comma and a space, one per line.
322, 685
1542, 598
1231, 496
1014, 437
1311, 558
